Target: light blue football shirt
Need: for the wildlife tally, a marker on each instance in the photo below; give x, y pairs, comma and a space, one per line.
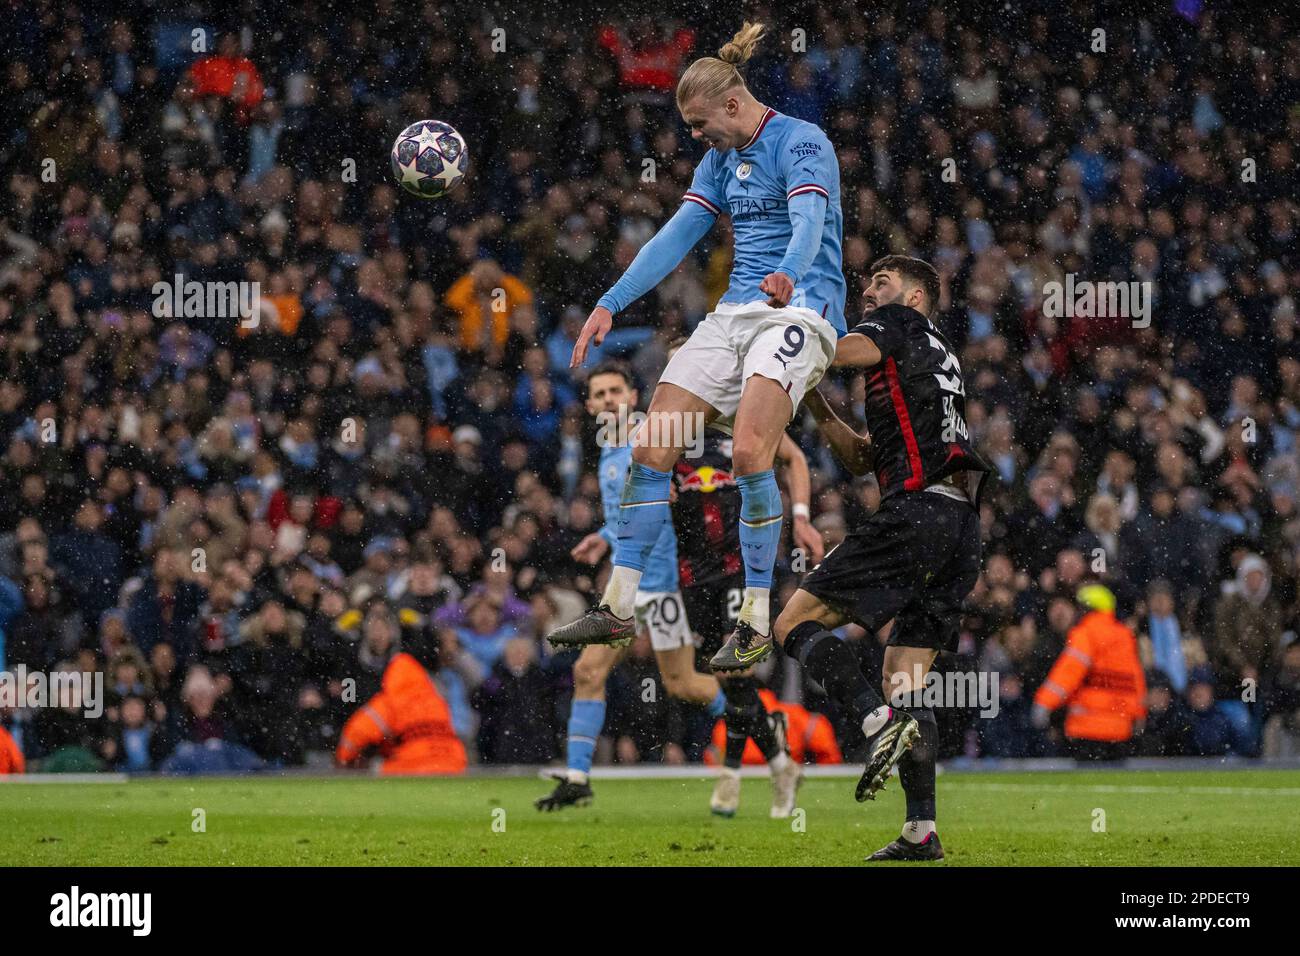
786, 157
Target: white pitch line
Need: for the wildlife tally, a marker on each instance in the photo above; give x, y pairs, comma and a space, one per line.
1114, 788
77, 778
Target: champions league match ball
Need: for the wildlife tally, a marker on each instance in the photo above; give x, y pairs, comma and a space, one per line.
429, 159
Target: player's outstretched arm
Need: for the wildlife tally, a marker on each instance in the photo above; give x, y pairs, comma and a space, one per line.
856, 350
594, 329
658, 257
855, 452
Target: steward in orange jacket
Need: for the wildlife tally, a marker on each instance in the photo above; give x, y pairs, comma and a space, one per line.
809, 733
11, 758
1098, 675
408, 721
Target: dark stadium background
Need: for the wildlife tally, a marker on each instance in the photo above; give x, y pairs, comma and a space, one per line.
1172, 448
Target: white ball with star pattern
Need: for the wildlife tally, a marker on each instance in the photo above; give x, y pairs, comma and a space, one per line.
429, 159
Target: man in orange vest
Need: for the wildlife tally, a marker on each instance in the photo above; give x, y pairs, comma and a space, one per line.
11, 758
408, 721
1099, 675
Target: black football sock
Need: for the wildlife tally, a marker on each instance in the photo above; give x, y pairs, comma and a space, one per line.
831, 663
916, 769
746, 717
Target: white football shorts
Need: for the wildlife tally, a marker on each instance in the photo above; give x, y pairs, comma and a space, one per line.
792, 346
663, 614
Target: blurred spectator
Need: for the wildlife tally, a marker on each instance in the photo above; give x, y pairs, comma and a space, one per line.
11, 605
1282, 726
1247, 629
1213, 732
648, 57
1169, 721
208, 741
1163, 645
484, 634
269, 671
165, 607
90, 560
1010, 732
515, 701
66, 737
140, 744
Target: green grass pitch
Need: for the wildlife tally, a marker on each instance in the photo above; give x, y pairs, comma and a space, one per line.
1158, 818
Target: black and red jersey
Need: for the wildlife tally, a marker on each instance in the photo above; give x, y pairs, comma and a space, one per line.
706, 514
916, 405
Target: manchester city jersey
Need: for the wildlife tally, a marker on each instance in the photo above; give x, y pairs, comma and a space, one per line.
755, 183
661, 567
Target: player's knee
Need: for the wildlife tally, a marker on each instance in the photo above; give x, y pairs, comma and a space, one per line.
750, 454
588, 676
676, 675
784, 624
675, 682
898, 688
651, 455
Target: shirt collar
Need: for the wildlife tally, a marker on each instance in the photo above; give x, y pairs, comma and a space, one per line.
758, 131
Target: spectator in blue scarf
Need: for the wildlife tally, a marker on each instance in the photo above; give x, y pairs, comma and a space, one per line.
1166, 635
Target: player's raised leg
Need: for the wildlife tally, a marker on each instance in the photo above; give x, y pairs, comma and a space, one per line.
645, 508
804, 631
642, 517
764, 412
760, 423
586, 718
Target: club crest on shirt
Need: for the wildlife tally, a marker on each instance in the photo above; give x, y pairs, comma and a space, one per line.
743, 170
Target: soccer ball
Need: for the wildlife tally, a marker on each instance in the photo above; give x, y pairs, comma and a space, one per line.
429, 159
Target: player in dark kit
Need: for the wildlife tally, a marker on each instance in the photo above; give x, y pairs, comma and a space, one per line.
913, 561
705, 512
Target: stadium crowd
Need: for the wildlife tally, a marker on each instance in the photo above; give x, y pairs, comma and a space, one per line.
240, 527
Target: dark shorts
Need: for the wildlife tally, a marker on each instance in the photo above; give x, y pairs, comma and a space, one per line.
914, 560
711, 610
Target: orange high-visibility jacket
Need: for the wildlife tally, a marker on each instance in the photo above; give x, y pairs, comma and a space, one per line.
1100, 676
11, 758
809, 734
408, 721
463, 298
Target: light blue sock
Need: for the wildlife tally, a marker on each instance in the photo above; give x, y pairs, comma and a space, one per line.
586, 718
718, 705
641, 516
760, 526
